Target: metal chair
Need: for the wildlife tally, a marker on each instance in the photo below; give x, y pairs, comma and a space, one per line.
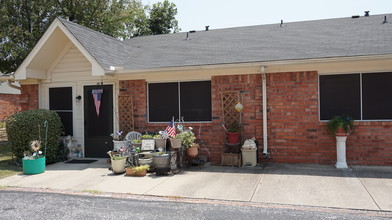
133, 135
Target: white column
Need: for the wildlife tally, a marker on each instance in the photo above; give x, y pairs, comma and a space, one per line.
341, 152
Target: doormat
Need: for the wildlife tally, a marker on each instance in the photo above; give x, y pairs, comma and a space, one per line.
81, 161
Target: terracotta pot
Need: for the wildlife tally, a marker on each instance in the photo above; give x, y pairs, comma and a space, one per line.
192, 151
131, 172
232, 137
340, 132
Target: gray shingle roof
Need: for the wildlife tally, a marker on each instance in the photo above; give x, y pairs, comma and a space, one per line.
341, 37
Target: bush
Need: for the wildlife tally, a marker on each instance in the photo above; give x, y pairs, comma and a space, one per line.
27, 126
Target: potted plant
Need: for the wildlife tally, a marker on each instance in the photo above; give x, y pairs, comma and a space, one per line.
188, 141
137, 143
233, 133
118, 161
175, 142
341, 127
118, 140
34, 161
137, 170
160, 142
161, 160
146, 137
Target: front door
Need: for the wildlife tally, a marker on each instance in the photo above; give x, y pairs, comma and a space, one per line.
98, 120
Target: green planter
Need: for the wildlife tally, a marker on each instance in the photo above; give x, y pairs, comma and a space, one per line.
34, 166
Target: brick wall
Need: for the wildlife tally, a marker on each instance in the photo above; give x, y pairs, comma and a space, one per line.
27, 100
295, 134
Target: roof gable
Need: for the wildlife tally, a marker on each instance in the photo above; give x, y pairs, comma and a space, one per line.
49, 47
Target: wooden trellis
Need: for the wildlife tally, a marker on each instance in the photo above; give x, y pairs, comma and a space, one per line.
126, 120
229, 100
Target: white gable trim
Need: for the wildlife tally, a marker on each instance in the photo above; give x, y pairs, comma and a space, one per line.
23, 72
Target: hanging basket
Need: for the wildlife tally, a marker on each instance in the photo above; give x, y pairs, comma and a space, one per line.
160, 143
35, 166
175, 143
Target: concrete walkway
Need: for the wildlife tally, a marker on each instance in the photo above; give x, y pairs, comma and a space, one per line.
358, 187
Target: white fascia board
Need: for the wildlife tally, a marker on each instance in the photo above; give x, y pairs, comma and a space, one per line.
21, 72
253, 64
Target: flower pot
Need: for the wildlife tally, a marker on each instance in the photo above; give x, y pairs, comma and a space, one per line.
35, 166
232, 137
131, 172
118, 144
161, 161
160, 143
118, 166
175, 143
192, 151
340, 132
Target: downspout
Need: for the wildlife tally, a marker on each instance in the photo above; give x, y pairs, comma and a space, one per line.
265, 125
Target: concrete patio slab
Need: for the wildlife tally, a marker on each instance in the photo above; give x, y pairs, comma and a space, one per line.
367, 188
127, 184
313, 186
378, 182
225, 183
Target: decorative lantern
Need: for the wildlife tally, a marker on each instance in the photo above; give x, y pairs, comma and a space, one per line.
238, 107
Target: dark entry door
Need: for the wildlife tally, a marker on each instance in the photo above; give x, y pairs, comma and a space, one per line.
98, 127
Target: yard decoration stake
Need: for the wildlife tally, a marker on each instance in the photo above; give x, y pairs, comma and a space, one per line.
97, 95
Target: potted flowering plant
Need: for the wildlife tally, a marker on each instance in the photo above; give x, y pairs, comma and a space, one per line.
188, 141
118, 140
34, 161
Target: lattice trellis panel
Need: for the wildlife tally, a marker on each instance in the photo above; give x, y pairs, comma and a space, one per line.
126, 120
229, 100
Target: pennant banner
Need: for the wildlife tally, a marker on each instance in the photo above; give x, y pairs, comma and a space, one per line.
97, 94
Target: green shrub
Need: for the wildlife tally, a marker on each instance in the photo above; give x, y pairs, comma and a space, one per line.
27, 126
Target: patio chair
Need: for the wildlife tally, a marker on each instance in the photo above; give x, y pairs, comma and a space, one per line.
133, 135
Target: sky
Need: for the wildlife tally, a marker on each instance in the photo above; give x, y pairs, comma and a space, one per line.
196, 14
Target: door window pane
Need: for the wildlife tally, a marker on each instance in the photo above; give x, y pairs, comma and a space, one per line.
60, 101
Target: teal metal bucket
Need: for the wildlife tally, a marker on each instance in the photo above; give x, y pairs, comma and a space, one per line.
34, 166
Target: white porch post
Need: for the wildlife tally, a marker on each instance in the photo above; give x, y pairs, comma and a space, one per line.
341, 152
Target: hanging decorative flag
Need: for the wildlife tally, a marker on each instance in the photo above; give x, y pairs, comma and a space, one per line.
97, 94
171, 129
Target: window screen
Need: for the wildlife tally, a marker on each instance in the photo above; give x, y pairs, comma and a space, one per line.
377, 96
191, 100
163, 101
60, 101
196, 101
340, 95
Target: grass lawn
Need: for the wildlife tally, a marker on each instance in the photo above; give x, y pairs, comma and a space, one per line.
6, 167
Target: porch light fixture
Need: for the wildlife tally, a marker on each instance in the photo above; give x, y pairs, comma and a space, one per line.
78, 98
238, 107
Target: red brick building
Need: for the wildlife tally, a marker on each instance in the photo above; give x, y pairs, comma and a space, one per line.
306, 71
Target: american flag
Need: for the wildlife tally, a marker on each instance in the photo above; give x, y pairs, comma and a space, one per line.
171, 129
